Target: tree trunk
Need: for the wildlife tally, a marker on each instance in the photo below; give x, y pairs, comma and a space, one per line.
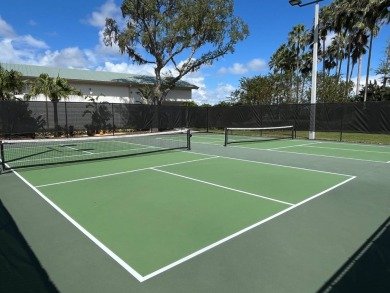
368, 66
358, 74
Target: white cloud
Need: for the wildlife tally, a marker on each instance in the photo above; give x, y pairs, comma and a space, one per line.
123, 67
257, 65
237, 68
68, 57
254, 65
329, 39
205, 95
107, 10
29, 41
8, 53
372, 79
102, 50
6, 30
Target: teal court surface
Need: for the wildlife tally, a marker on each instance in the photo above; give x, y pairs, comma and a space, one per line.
272, 216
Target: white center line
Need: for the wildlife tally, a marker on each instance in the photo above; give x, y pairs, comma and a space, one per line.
224, 187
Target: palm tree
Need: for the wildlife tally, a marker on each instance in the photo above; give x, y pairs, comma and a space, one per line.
376, 13
325, 25
360, 40
53, 88
282, 61
11, 84
297, 40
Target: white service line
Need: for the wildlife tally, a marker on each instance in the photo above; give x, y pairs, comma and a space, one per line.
291, 146
76, 149
120, 173
224, 187
196, 253
350, 150
121, 262
277, 165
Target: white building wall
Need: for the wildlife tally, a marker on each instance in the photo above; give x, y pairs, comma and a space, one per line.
119, 94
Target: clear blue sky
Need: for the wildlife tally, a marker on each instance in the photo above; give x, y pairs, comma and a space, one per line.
69, 34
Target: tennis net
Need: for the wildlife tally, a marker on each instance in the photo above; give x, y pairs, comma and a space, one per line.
239, 135
40, 152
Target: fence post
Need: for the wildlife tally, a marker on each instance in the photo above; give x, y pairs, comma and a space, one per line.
113, 119
66, 120
207, 119
342, 121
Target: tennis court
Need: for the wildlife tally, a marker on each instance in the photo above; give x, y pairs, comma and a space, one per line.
270, 216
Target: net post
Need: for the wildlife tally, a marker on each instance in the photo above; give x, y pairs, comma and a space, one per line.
225, 136
2, 156
189, 139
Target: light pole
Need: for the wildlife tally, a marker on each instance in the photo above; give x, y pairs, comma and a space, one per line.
313, 99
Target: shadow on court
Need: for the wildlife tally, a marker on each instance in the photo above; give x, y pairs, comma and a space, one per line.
368, 270
20, 270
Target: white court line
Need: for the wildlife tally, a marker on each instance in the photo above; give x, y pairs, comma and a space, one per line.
120, 173
188, 257
223, 187
277, 165
306, 154
327, 156
76, 149
350, 150
291, 146
132, 271
128, 268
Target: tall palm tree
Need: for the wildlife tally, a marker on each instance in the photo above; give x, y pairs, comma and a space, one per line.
325, 25
54, 89
360, 40
282, 61
376, 13
297, 40
337, 49
346, 20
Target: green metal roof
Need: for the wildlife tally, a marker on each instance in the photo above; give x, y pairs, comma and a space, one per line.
33, 71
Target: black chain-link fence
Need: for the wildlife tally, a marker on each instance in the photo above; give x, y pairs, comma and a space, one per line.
19, 118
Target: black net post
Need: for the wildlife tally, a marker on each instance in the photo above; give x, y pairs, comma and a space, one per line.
189, 135
2, 156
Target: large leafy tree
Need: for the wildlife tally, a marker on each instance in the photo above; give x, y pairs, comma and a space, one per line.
183, 34
257, 90
54, 89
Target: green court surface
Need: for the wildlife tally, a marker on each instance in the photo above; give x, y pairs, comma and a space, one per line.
272, 216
